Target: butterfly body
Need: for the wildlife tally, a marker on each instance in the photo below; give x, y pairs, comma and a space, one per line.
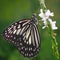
24, 35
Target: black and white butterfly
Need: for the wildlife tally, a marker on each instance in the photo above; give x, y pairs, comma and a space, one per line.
24, 35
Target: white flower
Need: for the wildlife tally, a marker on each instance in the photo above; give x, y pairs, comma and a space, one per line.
53, 25
45, 24
42, 15
46, 16
48, 13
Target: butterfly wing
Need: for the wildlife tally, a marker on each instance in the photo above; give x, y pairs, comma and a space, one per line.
12, 32
24, 35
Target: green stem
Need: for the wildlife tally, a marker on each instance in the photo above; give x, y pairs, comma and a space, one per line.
55, 47
42, 4
54, 43
53, 39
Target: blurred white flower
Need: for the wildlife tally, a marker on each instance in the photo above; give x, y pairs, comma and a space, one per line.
48, 13
53, 25
46, 16
42, 15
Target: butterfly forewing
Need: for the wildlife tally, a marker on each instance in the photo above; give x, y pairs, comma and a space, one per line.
12, 32
24, 35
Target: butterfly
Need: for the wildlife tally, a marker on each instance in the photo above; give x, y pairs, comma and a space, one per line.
24, 35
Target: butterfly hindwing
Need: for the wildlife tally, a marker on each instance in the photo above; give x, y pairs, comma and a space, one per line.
24, 35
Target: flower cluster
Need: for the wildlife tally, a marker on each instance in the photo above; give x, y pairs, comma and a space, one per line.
46, 16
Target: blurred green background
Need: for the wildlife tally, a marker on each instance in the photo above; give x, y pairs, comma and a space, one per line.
14, 10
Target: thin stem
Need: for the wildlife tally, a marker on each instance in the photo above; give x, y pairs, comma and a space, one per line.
53, 38
42, 3
55, 47
54, 43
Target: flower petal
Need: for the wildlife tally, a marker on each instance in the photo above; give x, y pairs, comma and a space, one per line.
53, 25
48, 13
43, 27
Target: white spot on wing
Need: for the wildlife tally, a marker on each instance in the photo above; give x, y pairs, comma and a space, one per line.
18, 31
5, 33
14, 28
30, 40
14, 37
26, 49
27, 34
22, 30
22, 47
15, 23
20, 43
27, 42
14, 32
12, 41
7, 36
26, 22
19, 26
11, 36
